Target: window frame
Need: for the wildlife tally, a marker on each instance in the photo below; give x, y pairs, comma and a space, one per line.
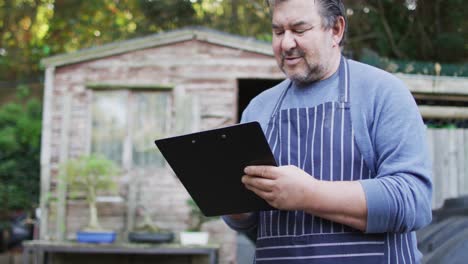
130, 93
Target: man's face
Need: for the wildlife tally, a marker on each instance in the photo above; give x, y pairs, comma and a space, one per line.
302, 47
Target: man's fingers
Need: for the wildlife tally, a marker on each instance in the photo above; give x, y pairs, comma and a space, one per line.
258, 182
264, 195
261, 171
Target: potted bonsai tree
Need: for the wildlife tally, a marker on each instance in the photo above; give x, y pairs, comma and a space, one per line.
194, 235
147, 231
89, 175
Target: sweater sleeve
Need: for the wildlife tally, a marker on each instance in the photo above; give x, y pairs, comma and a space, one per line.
247, 225
399, 197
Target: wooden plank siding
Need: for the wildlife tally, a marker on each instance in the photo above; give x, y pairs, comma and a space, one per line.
449, 152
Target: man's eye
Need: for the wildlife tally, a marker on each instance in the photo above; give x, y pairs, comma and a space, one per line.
301, 31
278, 32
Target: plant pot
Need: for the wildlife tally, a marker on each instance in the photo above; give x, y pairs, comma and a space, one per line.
148, 237
194, 238
95, 237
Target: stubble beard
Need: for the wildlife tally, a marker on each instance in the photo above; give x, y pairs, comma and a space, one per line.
312, 72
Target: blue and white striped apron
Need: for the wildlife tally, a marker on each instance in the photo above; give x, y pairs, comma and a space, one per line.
320, 140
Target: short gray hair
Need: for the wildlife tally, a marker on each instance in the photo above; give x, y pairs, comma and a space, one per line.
330, 11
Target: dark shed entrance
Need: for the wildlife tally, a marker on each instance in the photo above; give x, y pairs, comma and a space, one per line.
248, 89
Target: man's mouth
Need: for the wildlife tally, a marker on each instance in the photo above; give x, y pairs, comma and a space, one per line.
292, 60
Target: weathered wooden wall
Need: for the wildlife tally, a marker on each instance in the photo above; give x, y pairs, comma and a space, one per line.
10, 258
449, 151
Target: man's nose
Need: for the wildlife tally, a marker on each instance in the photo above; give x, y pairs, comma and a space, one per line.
288, 42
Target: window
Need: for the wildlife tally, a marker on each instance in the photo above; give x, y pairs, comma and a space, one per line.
125, 124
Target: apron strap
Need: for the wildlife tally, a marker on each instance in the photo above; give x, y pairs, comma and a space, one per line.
279, 102
343, 86
343, 75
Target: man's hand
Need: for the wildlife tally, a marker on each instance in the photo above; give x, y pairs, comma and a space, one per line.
290, 188
285, 187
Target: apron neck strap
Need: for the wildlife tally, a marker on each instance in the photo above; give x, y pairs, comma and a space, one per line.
343, 86
280, 102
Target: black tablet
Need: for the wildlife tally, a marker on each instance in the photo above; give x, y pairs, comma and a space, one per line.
210, 165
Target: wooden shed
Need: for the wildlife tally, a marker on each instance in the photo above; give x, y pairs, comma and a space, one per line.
116, 99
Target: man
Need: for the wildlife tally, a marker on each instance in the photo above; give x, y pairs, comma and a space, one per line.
354, 176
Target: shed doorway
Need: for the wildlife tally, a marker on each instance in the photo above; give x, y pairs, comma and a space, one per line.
248, 89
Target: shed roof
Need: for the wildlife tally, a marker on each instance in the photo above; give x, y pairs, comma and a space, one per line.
164, 38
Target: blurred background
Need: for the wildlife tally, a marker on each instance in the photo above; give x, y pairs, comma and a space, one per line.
424, 37
401, 31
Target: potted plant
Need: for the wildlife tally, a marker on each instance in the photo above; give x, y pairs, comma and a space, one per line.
147, 231
89, 175
193, 235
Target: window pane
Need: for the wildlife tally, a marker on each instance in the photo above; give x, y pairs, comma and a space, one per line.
151, 121
109, 112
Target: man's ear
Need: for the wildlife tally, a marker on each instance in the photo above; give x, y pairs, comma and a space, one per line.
338, 30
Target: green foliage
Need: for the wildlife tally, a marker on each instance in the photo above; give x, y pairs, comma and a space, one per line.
89, 175
77, 24
20, 133
197, 218
424, 31
413, 67
168, 14
442, 126
147, 225
34, 29
241, 17
22, 38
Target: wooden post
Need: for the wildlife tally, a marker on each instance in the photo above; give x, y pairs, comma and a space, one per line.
465, 150
430, 144
127, 162
452, 164
61, 223
89, 125
132, 201
46, 150
438, 168
460, 161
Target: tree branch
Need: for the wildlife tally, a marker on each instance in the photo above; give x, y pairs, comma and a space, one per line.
388, 31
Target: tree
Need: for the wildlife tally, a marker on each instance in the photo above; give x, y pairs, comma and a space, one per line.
408, 29
89, 175
33, 29
242, 17
23, 25
166, 14
20, 130
426, 30
77, 24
